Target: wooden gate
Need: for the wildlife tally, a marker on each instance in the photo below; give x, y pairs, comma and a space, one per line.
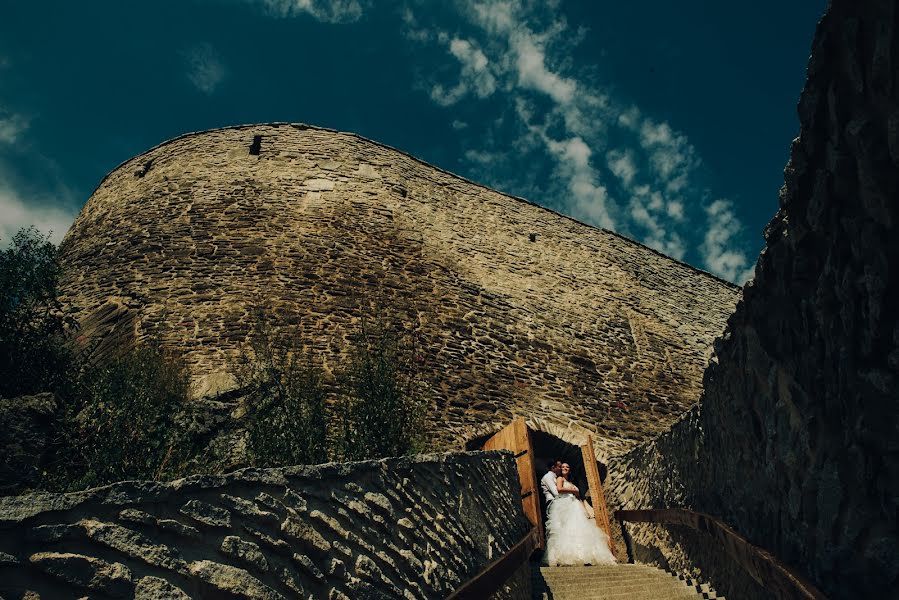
597, 497
517, 437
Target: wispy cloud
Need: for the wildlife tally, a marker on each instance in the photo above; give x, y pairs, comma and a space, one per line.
328, 11
204, 68
722, 227
475, 76
12, 126
18, 210
612, 165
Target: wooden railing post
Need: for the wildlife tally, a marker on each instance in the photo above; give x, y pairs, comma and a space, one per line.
495, 574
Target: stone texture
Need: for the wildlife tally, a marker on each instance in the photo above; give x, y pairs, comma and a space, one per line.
329, 537
113, 579
154, 588
582, 330
796, 443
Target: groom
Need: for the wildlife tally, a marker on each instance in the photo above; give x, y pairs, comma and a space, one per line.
548, 481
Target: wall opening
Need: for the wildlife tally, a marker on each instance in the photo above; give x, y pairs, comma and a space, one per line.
549, 447
256, 146
144, 169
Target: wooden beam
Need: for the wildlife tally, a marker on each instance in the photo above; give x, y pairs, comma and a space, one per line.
495, 574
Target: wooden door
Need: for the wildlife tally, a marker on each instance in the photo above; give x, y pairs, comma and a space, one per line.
517, 437
597, 497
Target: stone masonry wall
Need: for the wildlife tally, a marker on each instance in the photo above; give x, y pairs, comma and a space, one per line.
796, 443
409, 527
521, 311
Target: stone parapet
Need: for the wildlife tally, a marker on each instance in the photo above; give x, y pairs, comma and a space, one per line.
411, 527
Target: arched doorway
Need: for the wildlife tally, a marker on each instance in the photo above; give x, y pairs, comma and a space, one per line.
533, 450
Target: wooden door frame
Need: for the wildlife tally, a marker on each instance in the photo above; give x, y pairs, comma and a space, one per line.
597, 497
516, 436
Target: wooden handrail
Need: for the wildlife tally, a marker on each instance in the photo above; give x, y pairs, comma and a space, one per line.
761, 565
495, 574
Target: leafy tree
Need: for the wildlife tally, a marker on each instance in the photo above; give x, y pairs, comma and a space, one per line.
33, 354
285, 399
382, 412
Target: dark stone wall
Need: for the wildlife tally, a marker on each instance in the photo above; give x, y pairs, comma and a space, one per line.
412, 527
796, 443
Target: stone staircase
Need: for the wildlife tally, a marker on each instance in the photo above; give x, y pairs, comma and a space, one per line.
612, 582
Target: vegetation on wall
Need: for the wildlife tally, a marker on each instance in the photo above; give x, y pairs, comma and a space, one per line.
130, 417
382, 409
376, 408
284, 398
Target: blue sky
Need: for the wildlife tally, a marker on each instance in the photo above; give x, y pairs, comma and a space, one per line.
669, 122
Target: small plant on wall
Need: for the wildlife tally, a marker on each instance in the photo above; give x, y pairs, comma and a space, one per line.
284, 398
126, 420
383, 401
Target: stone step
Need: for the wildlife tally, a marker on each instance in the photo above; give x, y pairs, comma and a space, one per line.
624, 586
600, 595
611, 578
609, 582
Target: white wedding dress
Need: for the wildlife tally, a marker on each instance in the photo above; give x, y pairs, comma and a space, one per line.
572, 538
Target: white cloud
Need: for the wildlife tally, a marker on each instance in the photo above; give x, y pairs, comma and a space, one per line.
530, 62
589, 197
621, 164
474, 77
327, 11
204, 68
17, 212
12, 126
717, 248
459, 125
612, 165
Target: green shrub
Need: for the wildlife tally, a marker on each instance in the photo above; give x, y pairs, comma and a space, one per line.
284, 398
382, 410
128, 419
33, 353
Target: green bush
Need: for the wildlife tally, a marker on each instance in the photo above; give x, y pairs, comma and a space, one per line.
128, 419
33, 353
382, 410
284, 398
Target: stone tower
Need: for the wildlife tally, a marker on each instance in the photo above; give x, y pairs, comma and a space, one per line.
526, 312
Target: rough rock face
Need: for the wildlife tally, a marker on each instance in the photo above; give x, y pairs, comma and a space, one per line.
525, 312
409, 527
797, 441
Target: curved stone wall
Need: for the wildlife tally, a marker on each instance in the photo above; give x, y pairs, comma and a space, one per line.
521, 311
795, 440
399, 528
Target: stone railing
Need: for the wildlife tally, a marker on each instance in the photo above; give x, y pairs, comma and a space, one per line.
407, 527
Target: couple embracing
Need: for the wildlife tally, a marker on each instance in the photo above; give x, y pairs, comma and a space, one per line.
571, 537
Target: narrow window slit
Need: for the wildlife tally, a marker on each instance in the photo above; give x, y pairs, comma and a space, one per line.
144, 169
256, 146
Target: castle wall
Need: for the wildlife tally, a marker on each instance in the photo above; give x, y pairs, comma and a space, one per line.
520, 311
407, 527
795, 442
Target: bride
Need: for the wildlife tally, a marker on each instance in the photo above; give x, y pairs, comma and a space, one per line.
571, 538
